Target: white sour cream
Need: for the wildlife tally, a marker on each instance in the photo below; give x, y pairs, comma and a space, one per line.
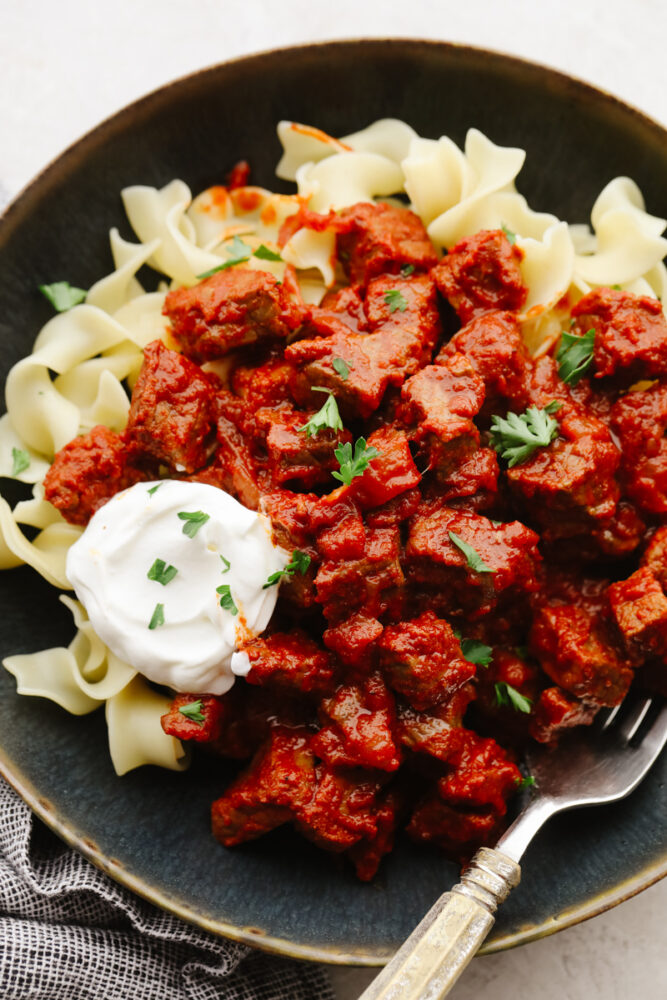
109, 568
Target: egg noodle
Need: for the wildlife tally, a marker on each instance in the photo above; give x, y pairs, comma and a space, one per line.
95, 349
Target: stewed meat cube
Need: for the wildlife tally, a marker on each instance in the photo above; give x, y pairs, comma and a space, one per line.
233, 307
578, 652
422, 660
639, 607
289, 661
630, 334
173, 413
358, 726
89, 471
482, 273
555, 711
379, 239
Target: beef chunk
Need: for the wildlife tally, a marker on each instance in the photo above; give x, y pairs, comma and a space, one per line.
358, 726
482, 273
400, 342
89, 471
280, 780
172, 413
268, 384
482, 776
494, 345
360, 584
459, 833
571, 484
438, 733
577, 651
368, 852
434, 560
655, 556
294, 454
290, 661
639, 419
214, 711
233, 307
354, 640
556, 711
422, 660
630, 334
382, 239
438, 405
639, 607
343, 809
391, 473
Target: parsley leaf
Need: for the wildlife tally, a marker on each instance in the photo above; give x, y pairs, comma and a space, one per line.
407, 270
395, 300
477, 652
511, 237
226, 599
194, 519
522, 652
20, 461
161, 573
508, 695
158, 616
299, 564
62, 295
575, 355
193, 711
341, 367
226, 563
352, 465
515, 437
263, 253
154, 489
327, 416
527, 782
238, 253
473, 558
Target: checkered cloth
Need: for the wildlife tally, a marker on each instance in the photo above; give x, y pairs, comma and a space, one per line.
67, 932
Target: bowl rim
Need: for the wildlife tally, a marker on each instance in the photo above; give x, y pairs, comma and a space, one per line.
10, 770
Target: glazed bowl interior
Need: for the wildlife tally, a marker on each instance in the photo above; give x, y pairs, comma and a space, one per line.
150, 829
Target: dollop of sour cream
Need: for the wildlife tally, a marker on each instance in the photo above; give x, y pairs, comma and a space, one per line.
172, 576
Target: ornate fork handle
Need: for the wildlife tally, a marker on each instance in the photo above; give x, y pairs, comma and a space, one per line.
440, 947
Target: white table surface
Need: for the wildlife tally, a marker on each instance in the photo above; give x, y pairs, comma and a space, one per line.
66, 64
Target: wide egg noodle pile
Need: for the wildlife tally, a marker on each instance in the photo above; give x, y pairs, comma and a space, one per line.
95, 348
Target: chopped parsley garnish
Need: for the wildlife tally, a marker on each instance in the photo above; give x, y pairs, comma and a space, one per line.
62, 295
226, 563
522, 652
575, 356
263, 253
341, 367
508, 695
158, 616
477, 652
193, 711
299, 564
527, 782
352, 465
238, 253
161, 573
194, 519
616, 288
154, 489
511, 237
327, 416
20, 461
226, 599
407, 270
516, 436
395, 300
473, 558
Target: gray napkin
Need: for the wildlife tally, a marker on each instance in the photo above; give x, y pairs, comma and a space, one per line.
68, 932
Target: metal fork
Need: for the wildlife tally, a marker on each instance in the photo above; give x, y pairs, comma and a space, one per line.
589, 767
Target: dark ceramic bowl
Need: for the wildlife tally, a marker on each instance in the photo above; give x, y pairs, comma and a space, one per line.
150, 829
